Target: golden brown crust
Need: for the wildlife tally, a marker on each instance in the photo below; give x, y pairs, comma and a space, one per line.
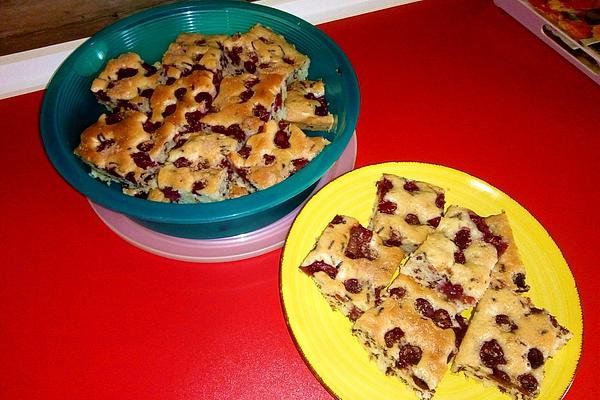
125, 78
436, 263
262, 51
195, 49
509, 271
404, 342
275, 153
406, 217
208, 86
119, 148
503, 330
195, 169
353, 280
306, 107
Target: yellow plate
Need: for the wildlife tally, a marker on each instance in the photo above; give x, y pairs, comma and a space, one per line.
324, 337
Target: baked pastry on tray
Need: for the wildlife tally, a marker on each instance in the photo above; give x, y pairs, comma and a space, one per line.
205, 89
411, 334
507, 343
406, 211
351, 266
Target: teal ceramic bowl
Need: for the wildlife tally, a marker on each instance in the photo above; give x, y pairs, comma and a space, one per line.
69, 107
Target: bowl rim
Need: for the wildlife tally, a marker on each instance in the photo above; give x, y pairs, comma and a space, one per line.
70, 167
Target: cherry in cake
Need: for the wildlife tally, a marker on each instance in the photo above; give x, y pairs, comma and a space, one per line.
194, 172
196, 51
509, 271
457, 258
306, 106
244, 103
119, 149
406, 211
508, 342
351, 266
275, 153
125, 83
410, 334
262, 51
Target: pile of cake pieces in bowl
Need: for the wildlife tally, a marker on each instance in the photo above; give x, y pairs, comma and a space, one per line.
426, 285
219, 117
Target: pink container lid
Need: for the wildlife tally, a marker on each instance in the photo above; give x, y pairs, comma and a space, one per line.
231, 248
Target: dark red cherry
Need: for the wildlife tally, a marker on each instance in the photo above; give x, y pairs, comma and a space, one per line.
355, 313
261, 112
434, 222
442, 318
171, 194
170, 109
282, 139
459, 257
150, 69
393, 336
440, 201
244, 152
353, 285
412, 219
182, 162
384, 185
528, 383
104, 143
126, 73
387, 207
398, 292
268, 159
318, 266
491, 354
359, 243
150, 126
411, 186
452, 291
500, 376
246, 95
506, 323
147, 93
114, 118
143, 160
298, 164
203, 96
424, 307
408, 355
198, 186
462, 238
179, 93
338, 219
420, 382
535, 358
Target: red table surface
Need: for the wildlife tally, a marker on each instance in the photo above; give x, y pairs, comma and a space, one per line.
85, 315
